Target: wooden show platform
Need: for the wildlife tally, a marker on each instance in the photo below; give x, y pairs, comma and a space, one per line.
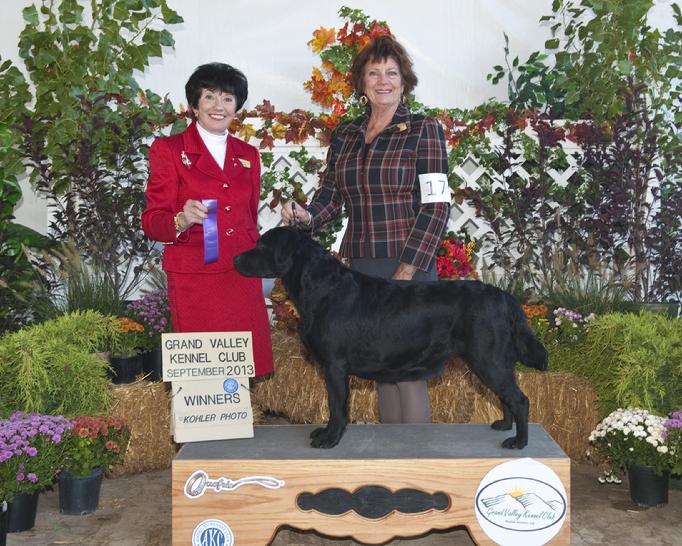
380, 482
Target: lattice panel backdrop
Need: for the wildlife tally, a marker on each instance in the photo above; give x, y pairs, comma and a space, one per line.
470, 171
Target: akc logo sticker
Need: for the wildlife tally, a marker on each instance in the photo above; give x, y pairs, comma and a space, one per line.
212, 532
521, 502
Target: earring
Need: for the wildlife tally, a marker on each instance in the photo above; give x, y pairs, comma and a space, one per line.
363, 100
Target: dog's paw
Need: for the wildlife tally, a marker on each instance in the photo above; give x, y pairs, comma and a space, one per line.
325, 441
501, 425
514, 443
317, 432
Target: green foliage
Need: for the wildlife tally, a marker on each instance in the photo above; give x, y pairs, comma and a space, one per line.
79, 287
85, 124
53, 367
632, 360
595, 291
623, 207
16, 274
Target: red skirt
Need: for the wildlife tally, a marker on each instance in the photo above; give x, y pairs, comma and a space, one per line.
222, 302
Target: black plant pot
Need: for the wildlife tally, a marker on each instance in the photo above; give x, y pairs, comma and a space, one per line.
3, 523
152, 365
22, 512
79, 496
125, 369
647, 488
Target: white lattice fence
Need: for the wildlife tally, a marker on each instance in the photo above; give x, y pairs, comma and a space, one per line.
470, 171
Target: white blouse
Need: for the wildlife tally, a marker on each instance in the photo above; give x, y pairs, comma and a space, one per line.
216, 144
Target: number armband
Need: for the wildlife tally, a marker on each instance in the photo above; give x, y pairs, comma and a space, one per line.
434, 188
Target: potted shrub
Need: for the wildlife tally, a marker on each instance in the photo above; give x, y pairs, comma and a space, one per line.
32, 450
93, 446
126, 362
634, 440
153, 312
52, 367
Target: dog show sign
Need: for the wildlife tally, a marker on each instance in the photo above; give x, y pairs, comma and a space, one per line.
209, 372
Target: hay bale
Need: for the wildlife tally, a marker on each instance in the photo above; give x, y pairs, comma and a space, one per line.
564, 404
145, 407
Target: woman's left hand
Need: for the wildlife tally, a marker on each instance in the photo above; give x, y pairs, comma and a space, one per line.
404, 272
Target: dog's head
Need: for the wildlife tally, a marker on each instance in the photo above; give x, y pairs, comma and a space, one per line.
273, 255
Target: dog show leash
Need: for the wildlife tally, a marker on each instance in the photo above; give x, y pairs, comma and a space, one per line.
297, 222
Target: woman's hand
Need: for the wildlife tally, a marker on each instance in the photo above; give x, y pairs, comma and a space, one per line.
404, 272
193, 212
289, 217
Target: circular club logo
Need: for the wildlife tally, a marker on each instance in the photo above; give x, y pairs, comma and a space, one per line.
212, 532
230, 386
521, 502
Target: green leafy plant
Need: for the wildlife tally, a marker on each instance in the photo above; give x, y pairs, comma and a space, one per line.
17, 280
605, 65
53, 367
632, 360
76, 286
85, 123
94, 442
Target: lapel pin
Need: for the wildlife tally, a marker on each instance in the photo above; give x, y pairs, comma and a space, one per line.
245, 162
401, 127
185, 160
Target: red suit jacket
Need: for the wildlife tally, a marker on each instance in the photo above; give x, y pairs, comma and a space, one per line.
182, 168
208, 297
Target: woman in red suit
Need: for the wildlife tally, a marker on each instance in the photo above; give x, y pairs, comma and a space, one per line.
202, 201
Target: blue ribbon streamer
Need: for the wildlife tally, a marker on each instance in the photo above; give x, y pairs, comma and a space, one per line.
211, 231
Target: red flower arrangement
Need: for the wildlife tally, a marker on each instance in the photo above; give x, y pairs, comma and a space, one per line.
95, 442
456, 258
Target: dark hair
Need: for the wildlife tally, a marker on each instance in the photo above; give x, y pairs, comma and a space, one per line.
216, 77
380, 49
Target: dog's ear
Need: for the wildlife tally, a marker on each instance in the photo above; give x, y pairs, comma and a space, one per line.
285, 245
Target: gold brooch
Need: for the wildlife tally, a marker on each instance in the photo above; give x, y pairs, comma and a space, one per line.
185, 160
401, 127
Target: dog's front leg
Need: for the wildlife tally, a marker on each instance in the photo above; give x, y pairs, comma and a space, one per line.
336, 380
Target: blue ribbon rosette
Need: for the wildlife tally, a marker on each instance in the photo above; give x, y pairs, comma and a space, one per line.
211, 231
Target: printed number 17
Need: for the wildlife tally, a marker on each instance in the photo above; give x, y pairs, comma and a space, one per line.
442, 190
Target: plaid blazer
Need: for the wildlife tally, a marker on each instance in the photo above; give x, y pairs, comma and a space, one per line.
379, 187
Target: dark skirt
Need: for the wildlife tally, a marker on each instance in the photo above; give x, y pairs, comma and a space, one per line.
384, 268
222, 302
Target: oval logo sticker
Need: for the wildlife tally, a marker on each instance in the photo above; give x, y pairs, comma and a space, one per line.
521, 502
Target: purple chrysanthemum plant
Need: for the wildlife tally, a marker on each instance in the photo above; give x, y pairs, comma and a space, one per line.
31, 452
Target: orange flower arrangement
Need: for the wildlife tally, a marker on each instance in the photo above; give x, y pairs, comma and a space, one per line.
95, 442
534, 311
130, 338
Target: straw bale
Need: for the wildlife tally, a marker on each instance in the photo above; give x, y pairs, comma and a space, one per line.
145, 407
563, 403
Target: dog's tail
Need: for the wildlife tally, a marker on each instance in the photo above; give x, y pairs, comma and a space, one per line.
529, 350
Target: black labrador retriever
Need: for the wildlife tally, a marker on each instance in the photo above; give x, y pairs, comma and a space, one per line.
389, 331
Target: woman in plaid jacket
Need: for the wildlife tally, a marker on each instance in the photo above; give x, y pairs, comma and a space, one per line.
389, 168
